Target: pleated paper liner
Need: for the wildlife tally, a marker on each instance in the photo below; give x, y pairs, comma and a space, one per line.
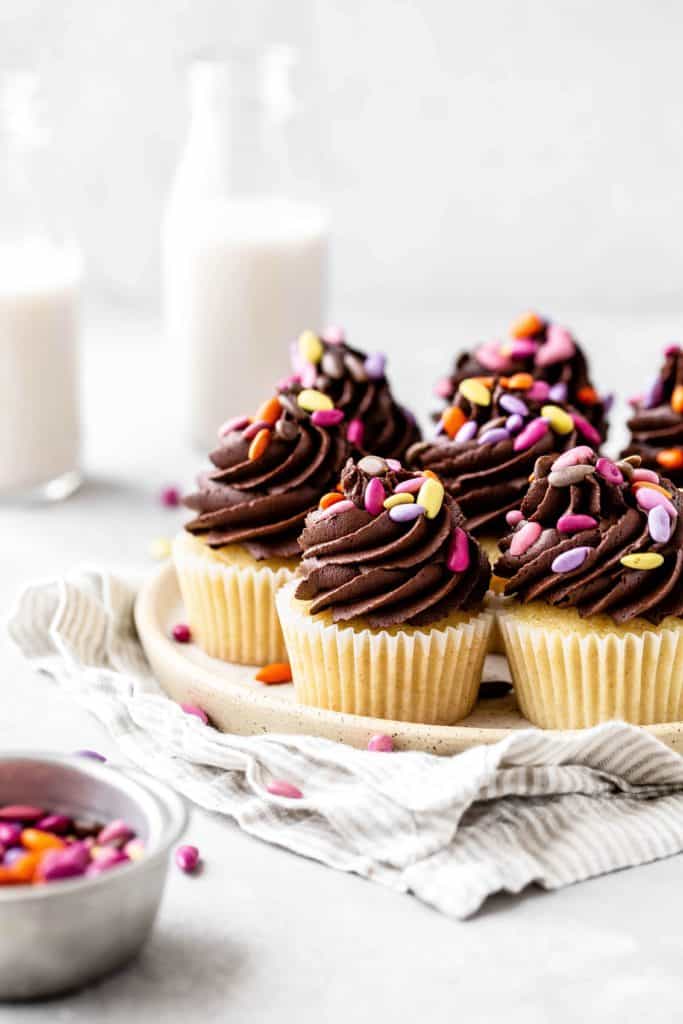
230, 600
428, 674
571, 673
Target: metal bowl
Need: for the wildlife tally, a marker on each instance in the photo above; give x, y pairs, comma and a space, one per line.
64, 934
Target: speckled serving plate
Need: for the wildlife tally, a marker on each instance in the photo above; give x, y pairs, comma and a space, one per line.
236, 703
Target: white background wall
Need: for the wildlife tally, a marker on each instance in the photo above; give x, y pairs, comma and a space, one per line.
474, 155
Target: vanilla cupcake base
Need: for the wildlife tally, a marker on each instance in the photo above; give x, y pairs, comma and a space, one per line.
229, 599
572, 673
410, 674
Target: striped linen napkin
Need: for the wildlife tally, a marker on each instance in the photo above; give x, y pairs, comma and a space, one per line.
536, 808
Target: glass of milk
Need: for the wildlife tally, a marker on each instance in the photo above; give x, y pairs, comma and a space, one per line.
244, 247
40, 281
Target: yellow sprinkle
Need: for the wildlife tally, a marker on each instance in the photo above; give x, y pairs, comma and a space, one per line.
310, 347
474, 391
160, 548
559, 420
398, 499
430, 496
649, 560
314, 401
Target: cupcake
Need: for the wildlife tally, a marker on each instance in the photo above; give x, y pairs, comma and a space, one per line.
488, 442
657, 422
595, 564
357, 385
543, 349
386, 619
269, 472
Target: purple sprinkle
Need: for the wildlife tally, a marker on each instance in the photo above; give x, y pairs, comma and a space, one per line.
13, 854
514, 423
659, 524
466, 432
59, 824
558, 392
570, 560
92, 754
494, 436
512, 404
405, 513
375, 365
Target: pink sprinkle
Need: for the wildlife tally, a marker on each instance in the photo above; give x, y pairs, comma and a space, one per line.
334, 510
531, 435
181, 633
586, 428
570, 560
490, 356
525, 538
574, 457
522, 348
170, 497
327, 417
672, 350
443, 388
410, 486
648, 475
356, 433
280, 787
559, 345
647, 498
609, 472
381, 742
187, 858
252, 430
458, 557
539, 391
285, 383
394, 464
334, 335
573, 522
513, 517
236, 423
192, 709
374, 496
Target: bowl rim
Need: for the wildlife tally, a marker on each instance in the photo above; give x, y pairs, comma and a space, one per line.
140, 786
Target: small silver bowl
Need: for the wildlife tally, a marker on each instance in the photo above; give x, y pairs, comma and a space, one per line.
64, 934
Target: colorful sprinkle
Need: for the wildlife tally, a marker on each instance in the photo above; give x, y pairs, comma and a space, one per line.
394, 464
443, 388
670, 458
570, 475
539, 391
648, 498
275, 673
521, 348
310, 347
525, 538
259, 444
381, 743
575, 456
466, 433
334, 510
331, 498
513, 517
406, 513
660, 524
458, 556
312, 401
372, 465
586, 428
587, 395
491, 356
431, 496
236, 423
558, 392
280, 787
560, 421
494, 436
558, 346
250, 432
269, 412
375, 365
196, 712
514, 423
475, 392
648, 475
452, 419
527, 324
609, 472
181, 633
170, 497
573, 522
512, 404
411, 486
570, 560
677, 399
646, 560
531, 435
520, 382
187, 858
327, 417
399, 499
374, 496
356, 433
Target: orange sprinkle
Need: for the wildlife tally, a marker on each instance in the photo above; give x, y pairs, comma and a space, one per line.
340, 488
677, 399
24, 868
520, 381
36, 840
331, 498
270, 411
671, 458
277, 672
452, 419
259, 444
504, 382
429, 473
635, 487
526, 325
588, 395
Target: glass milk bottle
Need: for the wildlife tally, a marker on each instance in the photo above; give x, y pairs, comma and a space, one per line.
40, 282
244, 255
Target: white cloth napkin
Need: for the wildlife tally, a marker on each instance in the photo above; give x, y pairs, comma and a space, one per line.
549, 809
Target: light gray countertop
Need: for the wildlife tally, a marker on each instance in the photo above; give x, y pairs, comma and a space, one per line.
263, 935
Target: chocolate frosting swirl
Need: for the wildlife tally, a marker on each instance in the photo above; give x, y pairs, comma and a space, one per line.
361, 563
261, 502
657, 422
545, 350
486, 467
569, 546
357, 384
